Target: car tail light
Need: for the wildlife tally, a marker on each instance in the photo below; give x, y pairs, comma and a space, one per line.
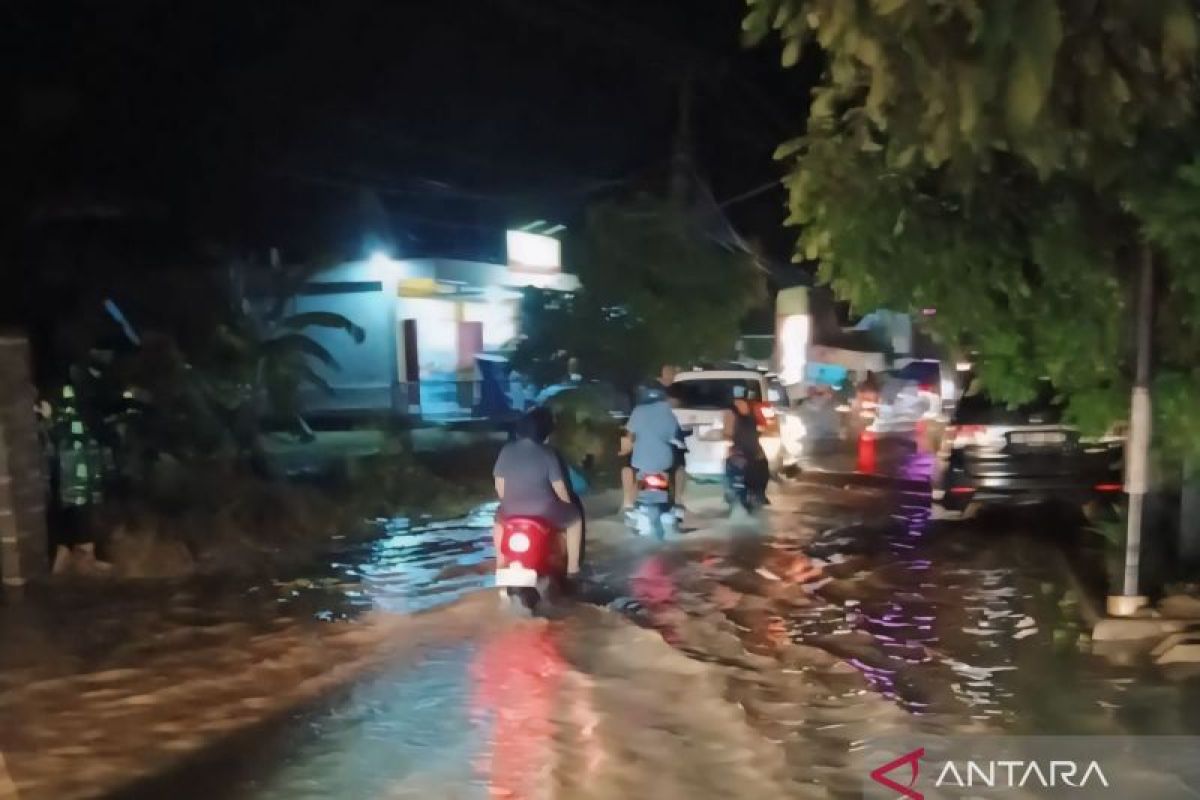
655, 480
1109, 487
961, 490
766, 417
966, 435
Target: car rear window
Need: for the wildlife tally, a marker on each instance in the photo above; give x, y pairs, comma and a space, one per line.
979, 409
712, 392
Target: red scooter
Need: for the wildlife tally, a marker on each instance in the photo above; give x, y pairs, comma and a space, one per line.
533, 555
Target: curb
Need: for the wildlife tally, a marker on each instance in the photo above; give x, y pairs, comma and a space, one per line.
1146, 631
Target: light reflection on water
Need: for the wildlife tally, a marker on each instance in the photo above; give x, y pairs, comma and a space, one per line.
950, 634
395, 736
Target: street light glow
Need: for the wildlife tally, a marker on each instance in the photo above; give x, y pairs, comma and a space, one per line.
382, 266
793, 348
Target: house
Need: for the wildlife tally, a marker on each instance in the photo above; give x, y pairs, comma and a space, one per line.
427, 323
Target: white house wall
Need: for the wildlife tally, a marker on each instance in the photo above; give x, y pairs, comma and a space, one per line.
366, 371
370, 293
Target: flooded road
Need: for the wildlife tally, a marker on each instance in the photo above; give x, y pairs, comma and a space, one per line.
750, 663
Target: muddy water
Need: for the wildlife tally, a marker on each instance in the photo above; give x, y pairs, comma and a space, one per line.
719, 668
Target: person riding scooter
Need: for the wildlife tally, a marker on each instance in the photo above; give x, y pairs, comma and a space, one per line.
655, 436
530, 482
746, 456
658, 389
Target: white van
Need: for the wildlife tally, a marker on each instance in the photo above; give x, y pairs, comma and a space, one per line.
705, 396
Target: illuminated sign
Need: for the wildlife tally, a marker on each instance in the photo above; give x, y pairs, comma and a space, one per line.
792, 340
417, 287
533, 252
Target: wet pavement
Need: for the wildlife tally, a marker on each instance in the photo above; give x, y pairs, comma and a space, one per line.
747, 659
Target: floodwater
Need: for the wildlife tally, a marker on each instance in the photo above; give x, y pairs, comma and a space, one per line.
725, 666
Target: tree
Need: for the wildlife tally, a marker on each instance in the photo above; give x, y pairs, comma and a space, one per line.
201, 378
262, 357
556, 326
1003, 163
656, 289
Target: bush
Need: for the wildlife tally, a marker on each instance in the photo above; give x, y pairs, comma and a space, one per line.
584, 430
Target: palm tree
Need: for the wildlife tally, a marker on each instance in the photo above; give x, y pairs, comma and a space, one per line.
266, 356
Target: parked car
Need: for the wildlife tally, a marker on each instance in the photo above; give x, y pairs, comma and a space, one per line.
932, 382
705, 396
994, 454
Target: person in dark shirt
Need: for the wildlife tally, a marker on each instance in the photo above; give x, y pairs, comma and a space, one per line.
531, 482
741, 429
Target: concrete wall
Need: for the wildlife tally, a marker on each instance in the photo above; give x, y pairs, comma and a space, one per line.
366, 371
23, 546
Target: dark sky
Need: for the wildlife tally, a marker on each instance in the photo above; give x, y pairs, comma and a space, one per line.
243, 122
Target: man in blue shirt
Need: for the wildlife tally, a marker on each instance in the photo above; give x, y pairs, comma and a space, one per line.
655, 432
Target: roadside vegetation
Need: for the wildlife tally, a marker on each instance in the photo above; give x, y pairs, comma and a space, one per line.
1012, 167
177, 442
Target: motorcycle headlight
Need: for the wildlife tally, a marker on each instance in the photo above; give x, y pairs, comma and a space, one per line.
518, 543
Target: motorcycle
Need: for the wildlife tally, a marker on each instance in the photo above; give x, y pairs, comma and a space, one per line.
534, 561
740, 488
654, 512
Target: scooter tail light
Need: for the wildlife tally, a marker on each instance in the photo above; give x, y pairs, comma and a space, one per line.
656, 481
519, 543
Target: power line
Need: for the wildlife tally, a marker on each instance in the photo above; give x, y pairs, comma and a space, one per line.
755, 192
436, 188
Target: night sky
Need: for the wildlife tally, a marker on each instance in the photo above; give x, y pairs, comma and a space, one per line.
244, 124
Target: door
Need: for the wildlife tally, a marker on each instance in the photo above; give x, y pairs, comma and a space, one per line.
411, 375
470, 344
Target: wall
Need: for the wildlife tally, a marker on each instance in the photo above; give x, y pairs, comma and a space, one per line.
23, 545
378, 294
366, 371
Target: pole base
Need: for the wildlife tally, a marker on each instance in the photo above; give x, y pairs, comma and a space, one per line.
1123, 605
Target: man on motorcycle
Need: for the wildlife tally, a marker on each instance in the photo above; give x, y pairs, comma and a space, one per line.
657, 388
530, 482
653, 434
746, 451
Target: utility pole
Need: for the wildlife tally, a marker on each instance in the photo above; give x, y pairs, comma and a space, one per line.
1137, 451
681, 157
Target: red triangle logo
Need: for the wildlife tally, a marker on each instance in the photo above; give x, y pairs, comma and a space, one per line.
913, 760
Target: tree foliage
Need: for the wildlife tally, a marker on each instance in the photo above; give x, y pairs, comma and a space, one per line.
656, 289
201, 379
1003, 162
